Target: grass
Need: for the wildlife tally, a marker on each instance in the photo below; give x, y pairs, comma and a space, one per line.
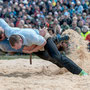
6, 57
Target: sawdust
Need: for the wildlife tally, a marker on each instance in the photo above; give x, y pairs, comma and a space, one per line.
43, 75
78, 51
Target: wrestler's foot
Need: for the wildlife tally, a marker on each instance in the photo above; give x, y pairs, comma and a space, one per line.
83, 73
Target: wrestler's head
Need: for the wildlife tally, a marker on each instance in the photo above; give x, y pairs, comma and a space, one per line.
2, 35
16, 41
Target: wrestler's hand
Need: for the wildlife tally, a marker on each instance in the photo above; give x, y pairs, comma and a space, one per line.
29, 52
43, 31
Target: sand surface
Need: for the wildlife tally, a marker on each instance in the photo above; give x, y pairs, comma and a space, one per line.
41, 75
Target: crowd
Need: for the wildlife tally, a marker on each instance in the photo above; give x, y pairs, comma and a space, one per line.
56, 15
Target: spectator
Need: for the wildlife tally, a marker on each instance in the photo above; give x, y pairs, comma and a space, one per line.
49, 19
88, 20
74, 14
80, 24
56, 14
84, 17
79, 16
21, 24
75, 27
51, 32
40, 13
79, 8
85, 6
67, 18
71, 10
53, 3
85, 33
74, 19
87, 24
65, 26
57, 28
12, 24
61, 19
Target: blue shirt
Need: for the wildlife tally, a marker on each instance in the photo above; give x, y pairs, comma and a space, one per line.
7, 29
79, 9
29, 36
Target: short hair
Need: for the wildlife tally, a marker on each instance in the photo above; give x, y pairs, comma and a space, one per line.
14, 39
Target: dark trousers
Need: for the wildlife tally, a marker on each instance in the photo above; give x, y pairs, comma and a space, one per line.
44, 55
57, 58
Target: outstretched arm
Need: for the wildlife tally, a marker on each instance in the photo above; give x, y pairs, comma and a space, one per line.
7, 29
3, 24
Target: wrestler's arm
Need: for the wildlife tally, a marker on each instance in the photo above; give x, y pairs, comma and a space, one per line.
31, 49
4, 25
37, 40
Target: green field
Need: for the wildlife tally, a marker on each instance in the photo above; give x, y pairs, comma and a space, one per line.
5, 57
